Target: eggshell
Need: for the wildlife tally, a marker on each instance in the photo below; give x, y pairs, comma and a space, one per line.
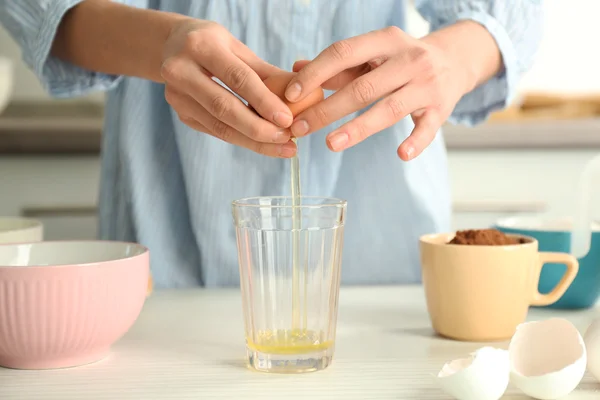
547, 358
482, 376
592, 345
277, 84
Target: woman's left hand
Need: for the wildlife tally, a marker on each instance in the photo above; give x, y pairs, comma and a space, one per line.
409, 76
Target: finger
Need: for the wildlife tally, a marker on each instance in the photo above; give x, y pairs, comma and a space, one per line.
341, 79
383, 114
186, 108
244, 81
354, 96
345, 77
195, 125
298, 65
203, 121
338, 57
187, 77
262, 68
426, 127
286, 150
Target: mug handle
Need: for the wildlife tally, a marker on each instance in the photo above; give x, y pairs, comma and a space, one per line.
572, 264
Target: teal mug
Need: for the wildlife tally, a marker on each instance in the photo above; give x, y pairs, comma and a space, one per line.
555, 235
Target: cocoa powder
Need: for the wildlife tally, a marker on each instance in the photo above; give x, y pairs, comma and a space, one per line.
484, 237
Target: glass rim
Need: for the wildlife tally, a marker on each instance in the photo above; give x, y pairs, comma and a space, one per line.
246, 202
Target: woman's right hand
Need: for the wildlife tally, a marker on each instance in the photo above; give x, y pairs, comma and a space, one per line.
194, 53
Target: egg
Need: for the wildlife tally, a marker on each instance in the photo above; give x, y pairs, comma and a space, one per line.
482, 376
547, 358
591, 338
277, 83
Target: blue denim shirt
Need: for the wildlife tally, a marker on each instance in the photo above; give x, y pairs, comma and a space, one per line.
170, 188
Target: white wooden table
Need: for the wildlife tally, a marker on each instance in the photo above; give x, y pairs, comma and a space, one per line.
190, 345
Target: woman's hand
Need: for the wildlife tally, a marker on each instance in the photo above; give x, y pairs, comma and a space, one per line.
409, 76
194, 53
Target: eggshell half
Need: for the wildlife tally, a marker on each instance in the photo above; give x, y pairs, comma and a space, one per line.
482, 376
547, 358
592, 345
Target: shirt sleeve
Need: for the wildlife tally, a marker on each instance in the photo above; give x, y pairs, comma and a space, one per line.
33, 24
515, 25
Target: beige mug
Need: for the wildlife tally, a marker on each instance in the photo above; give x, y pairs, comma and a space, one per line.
481, 293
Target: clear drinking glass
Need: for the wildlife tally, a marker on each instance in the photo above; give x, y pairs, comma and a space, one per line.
289, 293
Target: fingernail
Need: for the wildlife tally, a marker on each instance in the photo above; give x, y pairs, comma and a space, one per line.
299, 128
293, 92
281, 137
283, 119
338, 140
409, 152
287, 150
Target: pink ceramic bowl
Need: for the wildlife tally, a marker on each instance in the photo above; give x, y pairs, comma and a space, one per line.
63, 304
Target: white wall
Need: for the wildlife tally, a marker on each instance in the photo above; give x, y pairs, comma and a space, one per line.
569, 57
568, 61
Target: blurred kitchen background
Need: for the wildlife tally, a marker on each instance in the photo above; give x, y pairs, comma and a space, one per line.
524, 161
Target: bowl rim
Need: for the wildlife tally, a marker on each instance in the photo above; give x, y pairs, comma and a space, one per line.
31, 224
7, 63
145, 251
531, 241
534, 224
